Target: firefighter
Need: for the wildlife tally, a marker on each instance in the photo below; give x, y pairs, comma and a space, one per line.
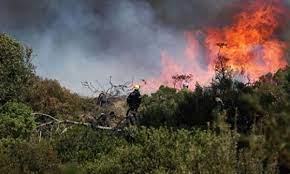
134, 99
219, 104
102, 99
185, 85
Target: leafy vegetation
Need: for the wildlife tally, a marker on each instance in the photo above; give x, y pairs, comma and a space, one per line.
48, 96
179, 131
18, 156
16, 121
15, 69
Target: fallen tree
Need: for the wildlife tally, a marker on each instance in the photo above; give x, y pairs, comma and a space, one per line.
54, 120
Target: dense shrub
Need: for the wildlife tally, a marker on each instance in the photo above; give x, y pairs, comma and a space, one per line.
84, 144
17, 156
167, 151
259, 108
167, 107
48, 96
16, 121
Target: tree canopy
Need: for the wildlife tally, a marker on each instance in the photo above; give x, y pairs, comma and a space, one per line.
15, 69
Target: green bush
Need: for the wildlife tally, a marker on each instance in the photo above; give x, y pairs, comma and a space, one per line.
18, 156
80, 144
16, 121
167, 107
160, 108
168, 151
48, 96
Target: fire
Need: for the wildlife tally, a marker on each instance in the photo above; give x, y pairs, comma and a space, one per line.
189, 64
252, 47
251, 43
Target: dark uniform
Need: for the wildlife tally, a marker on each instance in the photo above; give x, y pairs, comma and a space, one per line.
102, 99
219, 104
134, 101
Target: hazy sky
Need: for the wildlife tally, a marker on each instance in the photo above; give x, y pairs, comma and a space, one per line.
87, 40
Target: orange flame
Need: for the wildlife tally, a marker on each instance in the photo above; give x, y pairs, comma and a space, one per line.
252, 47
251, 43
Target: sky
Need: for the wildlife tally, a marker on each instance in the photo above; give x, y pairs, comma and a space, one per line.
89, 40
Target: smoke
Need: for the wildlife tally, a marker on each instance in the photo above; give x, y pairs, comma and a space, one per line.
185, 14
78, 41
75, 41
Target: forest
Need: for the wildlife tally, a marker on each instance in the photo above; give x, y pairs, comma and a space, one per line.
45, 128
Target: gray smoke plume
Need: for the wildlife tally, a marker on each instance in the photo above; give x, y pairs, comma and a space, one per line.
87, 40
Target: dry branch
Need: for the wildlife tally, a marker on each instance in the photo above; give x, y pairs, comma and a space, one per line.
104, 95
69, 122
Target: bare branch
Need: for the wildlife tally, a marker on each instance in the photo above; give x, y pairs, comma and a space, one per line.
102, 86
90, 86
58, 122
46, 115
112, 90
45, 124
93, 87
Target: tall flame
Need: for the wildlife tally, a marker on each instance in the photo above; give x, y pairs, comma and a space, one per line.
252, 47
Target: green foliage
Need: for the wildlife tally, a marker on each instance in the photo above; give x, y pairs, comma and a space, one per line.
84, 144
160, 108
15, 69
260, 108
167, 151
17, 156
16, 121
72, 168
48, 96
167, 107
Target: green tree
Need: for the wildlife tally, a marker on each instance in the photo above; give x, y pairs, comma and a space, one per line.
15, 69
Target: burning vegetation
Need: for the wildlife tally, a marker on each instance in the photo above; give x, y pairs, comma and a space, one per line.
250, 42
